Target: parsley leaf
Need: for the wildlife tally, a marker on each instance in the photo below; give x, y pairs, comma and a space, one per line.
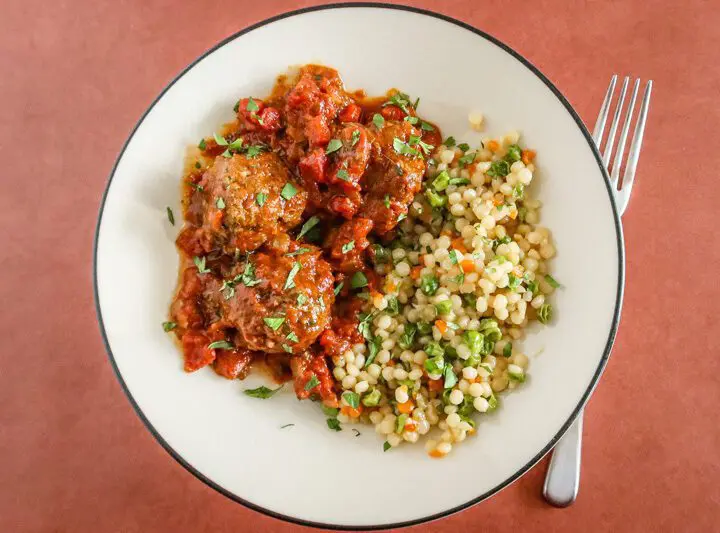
378, 121
299, 251
169, 326
262, 392
274, 323
333, 146
309, 224
260, 198
348, 246
220, 203
202, 144
352, 399
289, 282
200, 264
338, 288
343, 174
288, 191
312, 382
224, 345
355, 137
220, 140
404, 148
301, 299
252, 105
334, 424
358, 280
170, 215
386, 446
449, 142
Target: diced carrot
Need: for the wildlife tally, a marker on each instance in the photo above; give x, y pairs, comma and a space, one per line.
498, 199
526, 156
351, 411
406, 407
468, 265
435, 454
459, 245
390, 363
390, 286
441, 325
435, 385
410, 425
513, 214
493, 146
445, 232
415, 272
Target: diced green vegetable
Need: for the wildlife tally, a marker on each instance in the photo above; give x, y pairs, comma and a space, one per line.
312, 383
424, 328
406, 339
352, 399
514, 153
433, 349
333, 146
400, 423
507, 349
441, 181
444, 307
435, 199
393, 307
450, 377
435, 365
545, 313
499, 169
358, 280
429, 285
169, 326
288, 191
372, 398
378, 120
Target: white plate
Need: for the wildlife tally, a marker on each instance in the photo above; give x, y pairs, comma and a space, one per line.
307, 473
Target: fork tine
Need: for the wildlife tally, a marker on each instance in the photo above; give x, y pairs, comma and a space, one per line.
634, 154
602, 117
614, 124
617, 162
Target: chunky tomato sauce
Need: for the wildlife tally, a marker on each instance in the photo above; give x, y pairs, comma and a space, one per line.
281, 209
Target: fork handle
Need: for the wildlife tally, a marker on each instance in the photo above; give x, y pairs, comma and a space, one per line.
563, 476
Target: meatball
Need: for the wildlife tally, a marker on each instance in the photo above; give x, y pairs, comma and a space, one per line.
394, 179
249, 200
278, 302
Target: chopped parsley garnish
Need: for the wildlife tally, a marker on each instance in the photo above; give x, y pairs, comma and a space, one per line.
202, 144
373, 349
333, 146
236, 145
224, 345
248, 276
443, 308
309, 224
518, 191
378, 120
464, 147
358, 280
441, 181
453, 257
287, 348
332, 412
406, 339
352, 399
386, 201
274, 323
532, 286
426, 126
513, 281
220, 203
514, 153
169, 326
197, 164
301, 299
449, 142
551, 281
195, 186
334, 424
338, 288
254, 150
260, 198
450, 377
429, 285
262, 392
220, 140
400, 100
364, 325
200, 264
312, 382
348, 246
414, 140
252, 105
393, 306
404, 148
411, 120
498, 169
467, 159
290, 281
435, 199
288, 191
292, 337
343, 174
417, 103
355, 137
226, 153
170, 215
299, 251
386, 446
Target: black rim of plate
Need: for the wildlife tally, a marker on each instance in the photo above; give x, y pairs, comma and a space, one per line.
583, 400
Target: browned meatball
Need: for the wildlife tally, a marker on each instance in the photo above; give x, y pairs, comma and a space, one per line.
393, 179
278, 302
249, 200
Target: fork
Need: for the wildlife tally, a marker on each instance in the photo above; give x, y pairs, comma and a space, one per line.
563, 476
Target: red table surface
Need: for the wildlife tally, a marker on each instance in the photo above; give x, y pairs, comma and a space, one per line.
75, 76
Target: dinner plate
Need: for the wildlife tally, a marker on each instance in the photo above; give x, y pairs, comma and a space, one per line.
304, 472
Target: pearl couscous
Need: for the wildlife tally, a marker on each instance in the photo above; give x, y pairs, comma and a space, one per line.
463, 278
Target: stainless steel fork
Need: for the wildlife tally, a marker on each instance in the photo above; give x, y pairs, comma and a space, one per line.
563, 476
